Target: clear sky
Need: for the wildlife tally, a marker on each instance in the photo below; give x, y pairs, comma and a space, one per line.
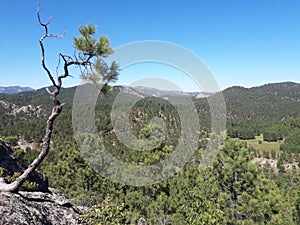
245, 43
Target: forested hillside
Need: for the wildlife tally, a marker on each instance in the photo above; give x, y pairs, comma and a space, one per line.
251, 109
234, 189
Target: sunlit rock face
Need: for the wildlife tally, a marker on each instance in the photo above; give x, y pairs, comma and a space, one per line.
37, 208
44, 205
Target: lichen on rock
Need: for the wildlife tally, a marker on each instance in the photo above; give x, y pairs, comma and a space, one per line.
37, 208
38, 205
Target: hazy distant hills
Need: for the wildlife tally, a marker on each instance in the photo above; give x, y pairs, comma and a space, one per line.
270, 102
158, 92
26, 112
141, 89
14, 89
285, 90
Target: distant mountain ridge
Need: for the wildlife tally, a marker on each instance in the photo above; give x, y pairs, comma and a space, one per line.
159, 92
25, 113
14, 89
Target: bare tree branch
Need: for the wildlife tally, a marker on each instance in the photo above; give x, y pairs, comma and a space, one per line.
56, 110
46, 35
83, 60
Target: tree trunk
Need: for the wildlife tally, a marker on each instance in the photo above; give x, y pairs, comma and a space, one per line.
14, 186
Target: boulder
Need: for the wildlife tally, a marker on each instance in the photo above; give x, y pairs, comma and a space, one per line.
42, 206
38, 208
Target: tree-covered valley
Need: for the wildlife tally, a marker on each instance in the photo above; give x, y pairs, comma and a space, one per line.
254, 179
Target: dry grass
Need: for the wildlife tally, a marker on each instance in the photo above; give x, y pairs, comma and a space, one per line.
265, 145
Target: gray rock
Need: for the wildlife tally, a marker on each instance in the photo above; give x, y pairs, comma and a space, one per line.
142, 221
42, 207
36, 208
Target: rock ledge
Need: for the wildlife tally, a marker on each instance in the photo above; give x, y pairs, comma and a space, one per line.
37, 208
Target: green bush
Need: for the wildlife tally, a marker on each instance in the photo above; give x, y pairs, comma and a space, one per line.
11, 177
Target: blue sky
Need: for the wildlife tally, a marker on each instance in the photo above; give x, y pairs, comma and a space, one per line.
245, 43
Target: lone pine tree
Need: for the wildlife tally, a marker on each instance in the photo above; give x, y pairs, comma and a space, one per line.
89, 58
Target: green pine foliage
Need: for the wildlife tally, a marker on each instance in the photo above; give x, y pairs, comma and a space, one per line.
292, 142
10, 176
232, 190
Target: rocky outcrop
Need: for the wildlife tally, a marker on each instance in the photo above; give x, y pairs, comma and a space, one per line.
36, 208
10, 163
43, 206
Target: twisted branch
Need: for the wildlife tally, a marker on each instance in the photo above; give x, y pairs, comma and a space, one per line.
82, 61
56, 110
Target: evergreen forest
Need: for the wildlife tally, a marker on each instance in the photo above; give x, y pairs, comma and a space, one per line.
254, 178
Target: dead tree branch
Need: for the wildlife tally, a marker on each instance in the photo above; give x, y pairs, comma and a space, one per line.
56, 110
84, 58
